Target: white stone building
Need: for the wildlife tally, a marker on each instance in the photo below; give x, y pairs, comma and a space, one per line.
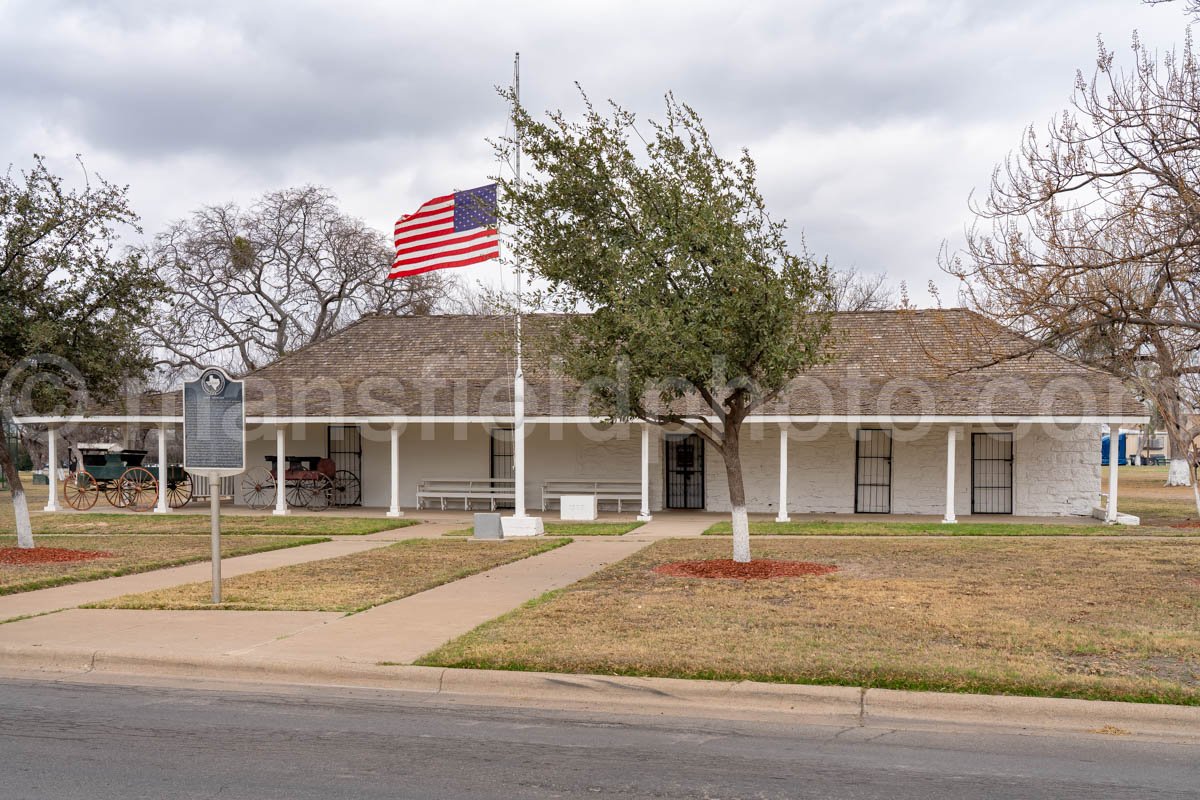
905, 419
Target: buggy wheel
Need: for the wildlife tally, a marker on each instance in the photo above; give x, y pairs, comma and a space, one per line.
80, 490
112, 493
179, 492
139, 488
347, 490
297, 492
320, 492
258, 488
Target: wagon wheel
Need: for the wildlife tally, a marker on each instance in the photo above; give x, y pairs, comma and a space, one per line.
112, 493
179, 492
347, 490
258, 488
320, 492
80, 490
297, 492
139, 488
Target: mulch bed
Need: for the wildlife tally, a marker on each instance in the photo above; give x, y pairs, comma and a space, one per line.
755, 570
48, 555
1191, 523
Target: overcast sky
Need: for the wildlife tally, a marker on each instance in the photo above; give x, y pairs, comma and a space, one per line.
871, 121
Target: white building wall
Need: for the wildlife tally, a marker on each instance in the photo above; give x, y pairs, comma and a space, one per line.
1056, 471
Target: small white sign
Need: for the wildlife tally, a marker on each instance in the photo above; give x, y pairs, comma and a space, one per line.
578, 507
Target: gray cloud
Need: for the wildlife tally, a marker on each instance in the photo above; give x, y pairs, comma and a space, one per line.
871, 121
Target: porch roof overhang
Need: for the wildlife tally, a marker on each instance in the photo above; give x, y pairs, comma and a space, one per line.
765, 419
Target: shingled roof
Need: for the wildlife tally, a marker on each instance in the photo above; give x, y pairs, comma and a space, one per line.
883, 364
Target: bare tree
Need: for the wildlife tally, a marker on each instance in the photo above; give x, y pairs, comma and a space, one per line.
856, 291
249, 285
1089, 238
1191, 7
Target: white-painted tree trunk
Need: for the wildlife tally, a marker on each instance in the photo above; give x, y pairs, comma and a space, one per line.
1179, 474
17, 489
741, 535
737, 493
1196, 494
21, 512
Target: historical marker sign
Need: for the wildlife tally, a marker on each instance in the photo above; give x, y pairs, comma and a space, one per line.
214, 443
214, 425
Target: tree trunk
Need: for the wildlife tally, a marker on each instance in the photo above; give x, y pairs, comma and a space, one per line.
1179, 473
1179, 440
20, 506
737, 493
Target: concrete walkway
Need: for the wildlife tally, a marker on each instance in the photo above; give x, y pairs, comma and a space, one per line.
44, 601
397, 632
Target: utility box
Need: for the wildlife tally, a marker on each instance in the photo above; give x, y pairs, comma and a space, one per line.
487, 526
578, 507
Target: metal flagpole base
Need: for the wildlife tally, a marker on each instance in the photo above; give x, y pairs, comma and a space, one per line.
516, 527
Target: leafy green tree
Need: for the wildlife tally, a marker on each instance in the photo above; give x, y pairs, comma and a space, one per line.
700, 312
70, 301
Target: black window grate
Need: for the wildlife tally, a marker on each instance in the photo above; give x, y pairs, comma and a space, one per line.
991, 473
873, 471
343, 445
685, 471
503, 459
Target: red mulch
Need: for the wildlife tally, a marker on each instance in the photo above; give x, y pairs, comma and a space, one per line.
755, 570
48, 555
1191, 523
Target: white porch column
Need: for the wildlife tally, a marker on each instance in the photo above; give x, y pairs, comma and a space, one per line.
1114, 436
951, 438
394, 509
52, 456
644, 516
161, 507
782, 516
280, 472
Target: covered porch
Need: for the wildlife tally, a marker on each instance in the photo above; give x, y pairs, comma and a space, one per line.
794, 467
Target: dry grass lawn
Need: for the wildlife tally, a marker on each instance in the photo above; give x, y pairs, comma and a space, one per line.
138, 553
1140, 491
867, 527
1067, 617
346, 583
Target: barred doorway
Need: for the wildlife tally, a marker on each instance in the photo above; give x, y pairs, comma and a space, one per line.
873, 471
685, 471
503, 459
991, 473
344, 447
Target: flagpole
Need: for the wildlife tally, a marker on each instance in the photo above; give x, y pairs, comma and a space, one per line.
519, 377
519, 524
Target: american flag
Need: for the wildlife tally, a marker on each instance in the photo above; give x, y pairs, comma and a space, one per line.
453, 230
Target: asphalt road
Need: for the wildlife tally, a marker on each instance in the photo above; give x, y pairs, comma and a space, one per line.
94, 741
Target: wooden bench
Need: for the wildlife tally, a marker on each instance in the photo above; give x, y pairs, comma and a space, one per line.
466, 491
618, 492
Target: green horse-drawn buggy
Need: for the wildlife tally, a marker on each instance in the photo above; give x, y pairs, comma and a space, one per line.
120, 476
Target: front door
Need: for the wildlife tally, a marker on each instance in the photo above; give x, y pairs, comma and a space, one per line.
685, 471
991, 473
344, 446
504, 464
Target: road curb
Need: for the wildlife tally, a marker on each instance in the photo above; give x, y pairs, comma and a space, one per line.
846, 705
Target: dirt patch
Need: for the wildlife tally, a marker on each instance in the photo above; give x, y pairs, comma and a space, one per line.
761, 569
1190, 523
48, 555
